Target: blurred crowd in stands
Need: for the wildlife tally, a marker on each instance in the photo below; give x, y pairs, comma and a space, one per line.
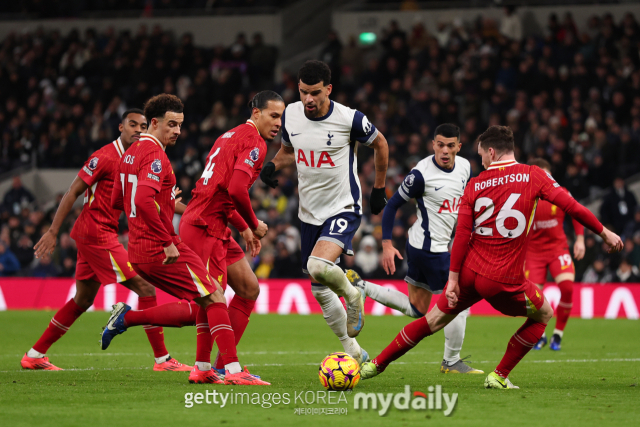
571, 97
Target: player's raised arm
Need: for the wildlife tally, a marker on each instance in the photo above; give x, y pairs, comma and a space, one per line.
549, 191
47, 242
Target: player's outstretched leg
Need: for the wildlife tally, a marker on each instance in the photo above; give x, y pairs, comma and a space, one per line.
35, 358
335, 316
202, 372
388, 297
453, 339
329, 274
562, 313
147, 300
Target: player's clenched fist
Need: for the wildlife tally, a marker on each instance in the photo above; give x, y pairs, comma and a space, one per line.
171, 253
378, 200
267, 174
453, 290
261, 231
612, 240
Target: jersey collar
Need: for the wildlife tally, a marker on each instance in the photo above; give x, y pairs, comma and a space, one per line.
119, 148
326, 116
502, 164
153, 138
440, 167
250, 122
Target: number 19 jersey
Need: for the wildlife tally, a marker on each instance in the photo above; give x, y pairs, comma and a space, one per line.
502, 201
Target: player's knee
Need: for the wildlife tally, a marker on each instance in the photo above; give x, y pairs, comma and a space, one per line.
84, 301
248, 289
319, 269
218, 296
140, 286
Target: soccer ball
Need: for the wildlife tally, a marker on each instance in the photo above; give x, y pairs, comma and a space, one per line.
339, 371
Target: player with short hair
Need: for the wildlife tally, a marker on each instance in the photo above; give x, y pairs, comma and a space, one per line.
548, 249
145, 188
320, 136
494, 221
437, 183
101, 258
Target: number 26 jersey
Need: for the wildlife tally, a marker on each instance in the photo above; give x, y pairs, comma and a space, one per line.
502, 201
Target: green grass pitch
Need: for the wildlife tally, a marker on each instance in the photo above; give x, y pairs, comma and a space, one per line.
592, 381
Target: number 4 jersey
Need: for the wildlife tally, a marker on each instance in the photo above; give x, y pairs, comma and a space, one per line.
146, 164
242, 148
502, 201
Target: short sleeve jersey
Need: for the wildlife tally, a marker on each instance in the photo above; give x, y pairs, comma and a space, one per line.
437, 192
325, 156
98, 221
146, 163
502, 201
242, 148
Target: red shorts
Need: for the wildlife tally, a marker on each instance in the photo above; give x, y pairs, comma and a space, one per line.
185, 279
216, 254
535, 266
104, 264
509, 299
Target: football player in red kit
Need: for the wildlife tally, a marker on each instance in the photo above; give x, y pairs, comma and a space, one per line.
548, 249
494, 222
101, 258
145, 188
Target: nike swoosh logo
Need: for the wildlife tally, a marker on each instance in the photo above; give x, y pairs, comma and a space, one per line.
439, 188
295, 134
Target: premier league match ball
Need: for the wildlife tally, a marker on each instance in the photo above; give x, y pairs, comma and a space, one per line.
339, 371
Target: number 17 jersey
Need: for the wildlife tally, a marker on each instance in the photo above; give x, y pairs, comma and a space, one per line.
502, 201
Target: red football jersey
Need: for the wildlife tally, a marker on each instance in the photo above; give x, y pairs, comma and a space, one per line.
241, 148
98, 221
547, 233
502, 201
146, 163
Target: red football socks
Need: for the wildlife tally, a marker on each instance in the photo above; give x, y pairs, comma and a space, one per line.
519, 345
173, 315
566, 303
58, 326
221, 332
155, 334
239, 311
204, 343
408, 338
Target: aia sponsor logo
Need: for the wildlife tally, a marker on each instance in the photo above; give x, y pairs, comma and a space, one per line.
309, 160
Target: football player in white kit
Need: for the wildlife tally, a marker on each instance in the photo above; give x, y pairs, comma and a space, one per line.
320, 136
437, 183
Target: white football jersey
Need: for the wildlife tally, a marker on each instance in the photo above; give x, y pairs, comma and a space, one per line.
437, 192
325, 155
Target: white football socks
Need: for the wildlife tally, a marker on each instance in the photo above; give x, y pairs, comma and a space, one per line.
336, 317
558, 332
163, 358
332, 276
34, 354
203, 366
391, 298
454, 336
233, 367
